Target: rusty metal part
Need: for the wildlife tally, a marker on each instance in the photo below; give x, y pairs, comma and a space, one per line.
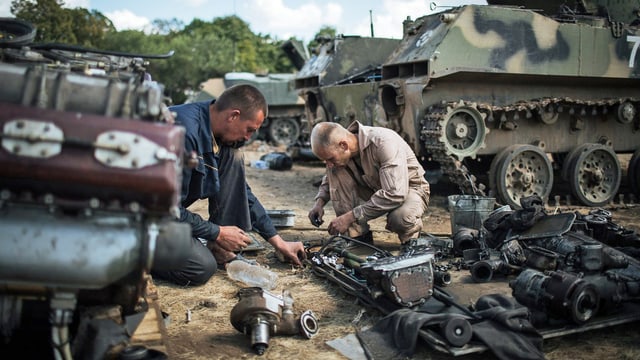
465, 238
559, 294
483, 271
594, 174
520, 171
89, 181
260, 314
541, 259
408, 280
434, 139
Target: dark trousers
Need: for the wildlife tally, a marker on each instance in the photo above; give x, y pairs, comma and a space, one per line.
230, 207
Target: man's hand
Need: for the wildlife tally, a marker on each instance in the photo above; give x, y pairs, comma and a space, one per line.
341, 224
292, 251
316, 213
232, 238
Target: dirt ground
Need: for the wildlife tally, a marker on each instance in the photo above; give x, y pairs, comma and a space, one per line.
210, 335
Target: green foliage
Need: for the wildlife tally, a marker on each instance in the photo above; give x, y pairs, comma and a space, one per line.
326, 32
203, 49
167, 27
89, 27
54, 24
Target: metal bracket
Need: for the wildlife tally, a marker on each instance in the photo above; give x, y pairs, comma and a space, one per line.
32, 138
129, 151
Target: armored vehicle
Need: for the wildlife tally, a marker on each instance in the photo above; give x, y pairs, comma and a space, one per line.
90, 166
286, 120
340, 80
531, 97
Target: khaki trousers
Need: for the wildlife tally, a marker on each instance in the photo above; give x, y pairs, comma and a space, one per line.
405, 220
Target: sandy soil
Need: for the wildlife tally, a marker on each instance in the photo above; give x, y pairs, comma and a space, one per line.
209, 333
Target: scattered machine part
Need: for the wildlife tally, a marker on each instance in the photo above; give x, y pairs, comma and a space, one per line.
568, 269
380, 279
559, 293
90, 163
408, 280
260, 314
388, 282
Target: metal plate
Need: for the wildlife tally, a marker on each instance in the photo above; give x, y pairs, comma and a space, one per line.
548, 226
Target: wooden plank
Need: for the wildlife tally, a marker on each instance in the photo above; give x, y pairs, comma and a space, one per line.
151, 332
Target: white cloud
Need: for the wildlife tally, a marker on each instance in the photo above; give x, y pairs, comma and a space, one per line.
387, 23
274, 17
72, 4
126, 20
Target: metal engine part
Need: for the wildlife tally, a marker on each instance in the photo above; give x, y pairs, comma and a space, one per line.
408, 280
484, 270
582, 253
559, 294
44, 250
465, 238
261, 314
486, 263
565, 273
83, 133
380, 279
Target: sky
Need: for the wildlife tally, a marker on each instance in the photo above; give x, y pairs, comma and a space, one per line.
281, 19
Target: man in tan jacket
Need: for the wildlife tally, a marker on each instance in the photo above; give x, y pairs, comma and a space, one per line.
371, 171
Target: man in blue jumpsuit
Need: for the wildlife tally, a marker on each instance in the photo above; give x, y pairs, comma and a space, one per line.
214, 133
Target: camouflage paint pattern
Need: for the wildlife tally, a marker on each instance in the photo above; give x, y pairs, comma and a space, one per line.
467, 83
339, 82
505, 91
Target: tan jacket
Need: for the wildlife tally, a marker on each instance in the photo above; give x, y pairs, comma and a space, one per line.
390, 169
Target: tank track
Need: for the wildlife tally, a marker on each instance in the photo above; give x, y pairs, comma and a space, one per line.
504, 117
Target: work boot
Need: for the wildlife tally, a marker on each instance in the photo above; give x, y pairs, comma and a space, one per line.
366, 238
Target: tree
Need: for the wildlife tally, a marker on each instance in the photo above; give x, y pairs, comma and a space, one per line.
167, 27
52, 22
325, 32
56, 24
90, 27
203, 49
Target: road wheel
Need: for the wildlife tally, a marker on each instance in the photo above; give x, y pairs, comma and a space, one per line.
284, 131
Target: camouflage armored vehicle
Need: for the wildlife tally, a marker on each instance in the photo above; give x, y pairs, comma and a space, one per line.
90, 166
533, 97
340, 81
286, 120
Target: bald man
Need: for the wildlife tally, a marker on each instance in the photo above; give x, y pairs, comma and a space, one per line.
370, 172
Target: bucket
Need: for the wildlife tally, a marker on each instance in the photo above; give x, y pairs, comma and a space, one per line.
282, 218
469, 211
